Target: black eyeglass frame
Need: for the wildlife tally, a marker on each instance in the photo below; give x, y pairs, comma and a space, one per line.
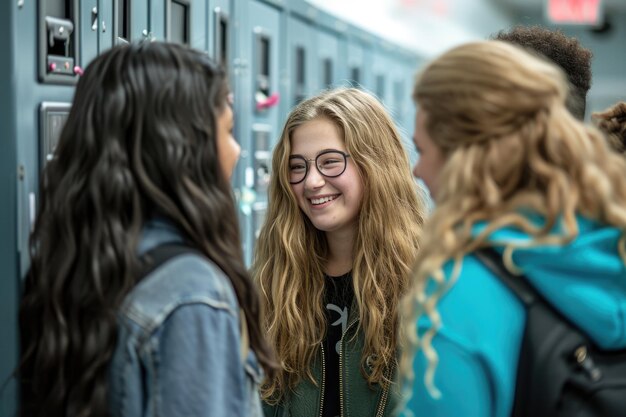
306, 163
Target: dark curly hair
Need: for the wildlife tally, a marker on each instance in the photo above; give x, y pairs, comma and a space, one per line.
140, 141
612, 122
566, 52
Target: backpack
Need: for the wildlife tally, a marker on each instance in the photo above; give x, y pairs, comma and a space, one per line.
157, 256
560, 372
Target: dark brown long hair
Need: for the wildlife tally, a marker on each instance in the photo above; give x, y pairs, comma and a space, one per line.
140, 140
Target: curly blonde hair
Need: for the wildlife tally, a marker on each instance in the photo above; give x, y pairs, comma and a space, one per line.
290, 252
498, 114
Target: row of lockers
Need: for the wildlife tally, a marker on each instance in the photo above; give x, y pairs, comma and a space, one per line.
277, 52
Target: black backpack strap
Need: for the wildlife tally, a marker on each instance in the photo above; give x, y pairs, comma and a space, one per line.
157, 256
520, 286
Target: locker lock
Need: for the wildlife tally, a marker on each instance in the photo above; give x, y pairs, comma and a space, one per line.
57, 49
57, 55
59, 30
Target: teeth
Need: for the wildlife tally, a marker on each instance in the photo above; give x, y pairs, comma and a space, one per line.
322, 200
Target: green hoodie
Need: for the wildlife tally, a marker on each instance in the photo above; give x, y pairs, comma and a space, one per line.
358, 399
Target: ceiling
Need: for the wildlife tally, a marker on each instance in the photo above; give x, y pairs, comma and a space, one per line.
527, 5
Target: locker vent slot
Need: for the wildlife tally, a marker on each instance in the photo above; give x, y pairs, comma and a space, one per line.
178, 29
122, 20
380, 87
355, 76
221, 38
327, 73
300, 87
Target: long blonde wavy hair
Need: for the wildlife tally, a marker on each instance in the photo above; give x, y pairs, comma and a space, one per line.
290, 252
511, 148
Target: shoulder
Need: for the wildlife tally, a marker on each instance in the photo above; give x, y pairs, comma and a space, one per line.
478, 342
477, 294
187, 279
478, 311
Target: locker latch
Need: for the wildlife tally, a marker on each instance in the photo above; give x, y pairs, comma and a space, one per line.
58, 59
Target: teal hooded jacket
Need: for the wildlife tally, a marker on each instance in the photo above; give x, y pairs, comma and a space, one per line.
478, 343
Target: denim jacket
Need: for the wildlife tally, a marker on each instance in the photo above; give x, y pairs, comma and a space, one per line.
179, 343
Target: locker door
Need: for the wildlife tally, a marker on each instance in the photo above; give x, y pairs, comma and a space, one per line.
9, 268
300, 53
402, 106
328, 60
106, 28
359, 63
380, 85
198, 24
401, 91
156, 18
38, 34
89, 18
410, 68
220, 41
220, 31
356, 57
138, 10
378, 75
384, 68
257, 70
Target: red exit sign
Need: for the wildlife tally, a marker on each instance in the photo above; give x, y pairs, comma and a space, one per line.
576, 12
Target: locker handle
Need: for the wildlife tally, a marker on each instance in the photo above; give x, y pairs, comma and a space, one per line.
94, 19
265, 102
26, 210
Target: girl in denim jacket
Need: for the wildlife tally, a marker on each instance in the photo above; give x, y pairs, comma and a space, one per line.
144, 159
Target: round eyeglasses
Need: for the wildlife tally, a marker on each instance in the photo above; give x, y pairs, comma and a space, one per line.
329, 163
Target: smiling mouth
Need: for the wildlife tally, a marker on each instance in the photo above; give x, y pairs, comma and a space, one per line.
318, 201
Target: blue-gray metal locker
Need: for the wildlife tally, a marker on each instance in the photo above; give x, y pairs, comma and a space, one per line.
179, 21
404, 78
220, 35
382, 67
220, 24
130, 20
96, 27
359, 61
256, 110
300, 51
156, 19
46, 52
331, 55
89, 30
199, 25
9, 270
106, 25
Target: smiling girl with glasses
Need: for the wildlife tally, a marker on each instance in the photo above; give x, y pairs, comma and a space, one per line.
332, 258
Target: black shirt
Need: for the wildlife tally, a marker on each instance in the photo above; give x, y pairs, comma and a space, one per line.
338, 298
